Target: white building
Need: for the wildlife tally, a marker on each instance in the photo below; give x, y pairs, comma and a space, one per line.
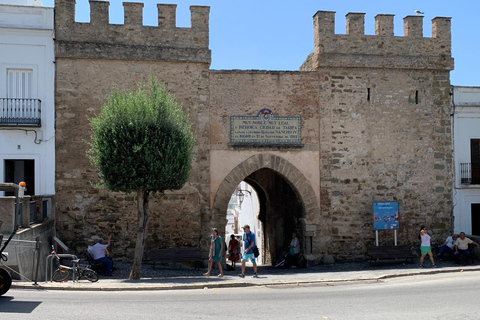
27, 113
466, 147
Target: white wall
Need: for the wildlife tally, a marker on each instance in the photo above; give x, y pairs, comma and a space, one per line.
27, 43
248, 214
466, 126
22, 2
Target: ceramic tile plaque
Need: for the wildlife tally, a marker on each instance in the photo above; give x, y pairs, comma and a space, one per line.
265, 129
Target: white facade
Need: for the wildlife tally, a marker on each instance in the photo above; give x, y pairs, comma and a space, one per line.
466, 146
27, 110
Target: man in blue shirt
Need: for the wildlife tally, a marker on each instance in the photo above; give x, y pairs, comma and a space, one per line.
248, 245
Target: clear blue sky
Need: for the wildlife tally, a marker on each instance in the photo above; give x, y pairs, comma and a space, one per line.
278, 34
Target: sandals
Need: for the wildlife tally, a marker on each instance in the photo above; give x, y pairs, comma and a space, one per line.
220, 275
207, 274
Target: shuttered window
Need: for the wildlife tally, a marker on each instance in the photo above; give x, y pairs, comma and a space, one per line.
19, 83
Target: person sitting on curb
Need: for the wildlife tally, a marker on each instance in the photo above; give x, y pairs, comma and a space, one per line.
99, 254
448, 245
461, 246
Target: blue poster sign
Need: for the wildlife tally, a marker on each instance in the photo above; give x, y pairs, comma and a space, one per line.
385, 215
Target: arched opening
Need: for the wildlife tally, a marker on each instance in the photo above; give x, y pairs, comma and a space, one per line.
285, 199
280, 213
243, 209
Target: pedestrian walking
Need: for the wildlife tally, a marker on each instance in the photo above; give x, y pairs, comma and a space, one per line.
425, 247
248, 245
233, 250
216, 252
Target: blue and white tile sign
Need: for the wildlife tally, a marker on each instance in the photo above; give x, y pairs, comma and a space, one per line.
265, 128
385, 215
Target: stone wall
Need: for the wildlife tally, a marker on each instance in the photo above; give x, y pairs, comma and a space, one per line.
375, 127
386, 121
7, 215
83, 210
385, 147
92, 59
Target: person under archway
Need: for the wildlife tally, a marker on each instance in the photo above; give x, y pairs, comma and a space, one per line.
291, 260
248, 244
233, 251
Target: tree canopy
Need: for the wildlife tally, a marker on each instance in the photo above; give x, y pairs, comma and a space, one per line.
142, 140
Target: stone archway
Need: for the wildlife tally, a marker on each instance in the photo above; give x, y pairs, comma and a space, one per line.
256, 170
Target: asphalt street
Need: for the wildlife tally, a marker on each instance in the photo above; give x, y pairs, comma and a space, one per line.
432, 296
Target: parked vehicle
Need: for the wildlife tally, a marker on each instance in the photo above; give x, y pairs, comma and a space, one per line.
5, 277
19, 191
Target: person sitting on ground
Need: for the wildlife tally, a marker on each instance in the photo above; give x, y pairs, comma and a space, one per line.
448, 245
100, 252
461, 246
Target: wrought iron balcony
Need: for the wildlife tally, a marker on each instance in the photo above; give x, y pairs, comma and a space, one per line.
470, 174
20, 112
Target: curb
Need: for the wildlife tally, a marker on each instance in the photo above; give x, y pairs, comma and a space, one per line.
209, 285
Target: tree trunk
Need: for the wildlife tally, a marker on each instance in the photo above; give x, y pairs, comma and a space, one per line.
142, 202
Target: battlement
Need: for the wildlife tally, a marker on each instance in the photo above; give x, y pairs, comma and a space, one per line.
133, 33
355, 42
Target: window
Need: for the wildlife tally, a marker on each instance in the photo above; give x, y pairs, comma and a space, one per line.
19, 83
21, 170
20, 106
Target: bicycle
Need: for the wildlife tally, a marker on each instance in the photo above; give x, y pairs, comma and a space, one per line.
79, 271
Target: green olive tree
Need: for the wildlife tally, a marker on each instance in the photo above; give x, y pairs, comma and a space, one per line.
142, 142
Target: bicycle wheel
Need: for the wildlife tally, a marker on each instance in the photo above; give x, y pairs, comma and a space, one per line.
90, 275
61, 275
5, 281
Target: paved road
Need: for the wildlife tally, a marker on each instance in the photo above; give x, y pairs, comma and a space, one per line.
435, 296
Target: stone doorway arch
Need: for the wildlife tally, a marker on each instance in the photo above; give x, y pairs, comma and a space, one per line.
286, 198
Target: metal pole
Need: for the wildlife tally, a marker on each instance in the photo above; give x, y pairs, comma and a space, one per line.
37, 250
376, 238
395, 236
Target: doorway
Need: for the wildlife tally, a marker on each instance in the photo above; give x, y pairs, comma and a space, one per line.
280, 213
21, 170
476, 219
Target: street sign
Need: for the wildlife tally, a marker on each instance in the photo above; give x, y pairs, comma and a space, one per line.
385, 215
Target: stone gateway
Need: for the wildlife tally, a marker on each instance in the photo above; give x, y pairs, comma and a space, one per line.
373, 112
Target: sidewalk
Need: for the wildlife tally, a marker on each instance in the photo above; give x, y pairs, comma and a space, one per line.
267, 276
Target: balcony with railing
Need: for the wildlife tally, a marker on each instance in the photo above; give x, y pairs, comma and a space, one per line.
470, 174
20, 112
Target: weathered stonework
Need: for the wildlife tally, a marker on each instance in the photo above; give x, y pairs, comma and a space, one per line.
375, 127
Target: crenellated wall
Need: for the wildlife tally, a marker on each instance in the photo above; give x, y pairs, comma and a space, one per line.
91, 59
355, 49
375, 113
131, 40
